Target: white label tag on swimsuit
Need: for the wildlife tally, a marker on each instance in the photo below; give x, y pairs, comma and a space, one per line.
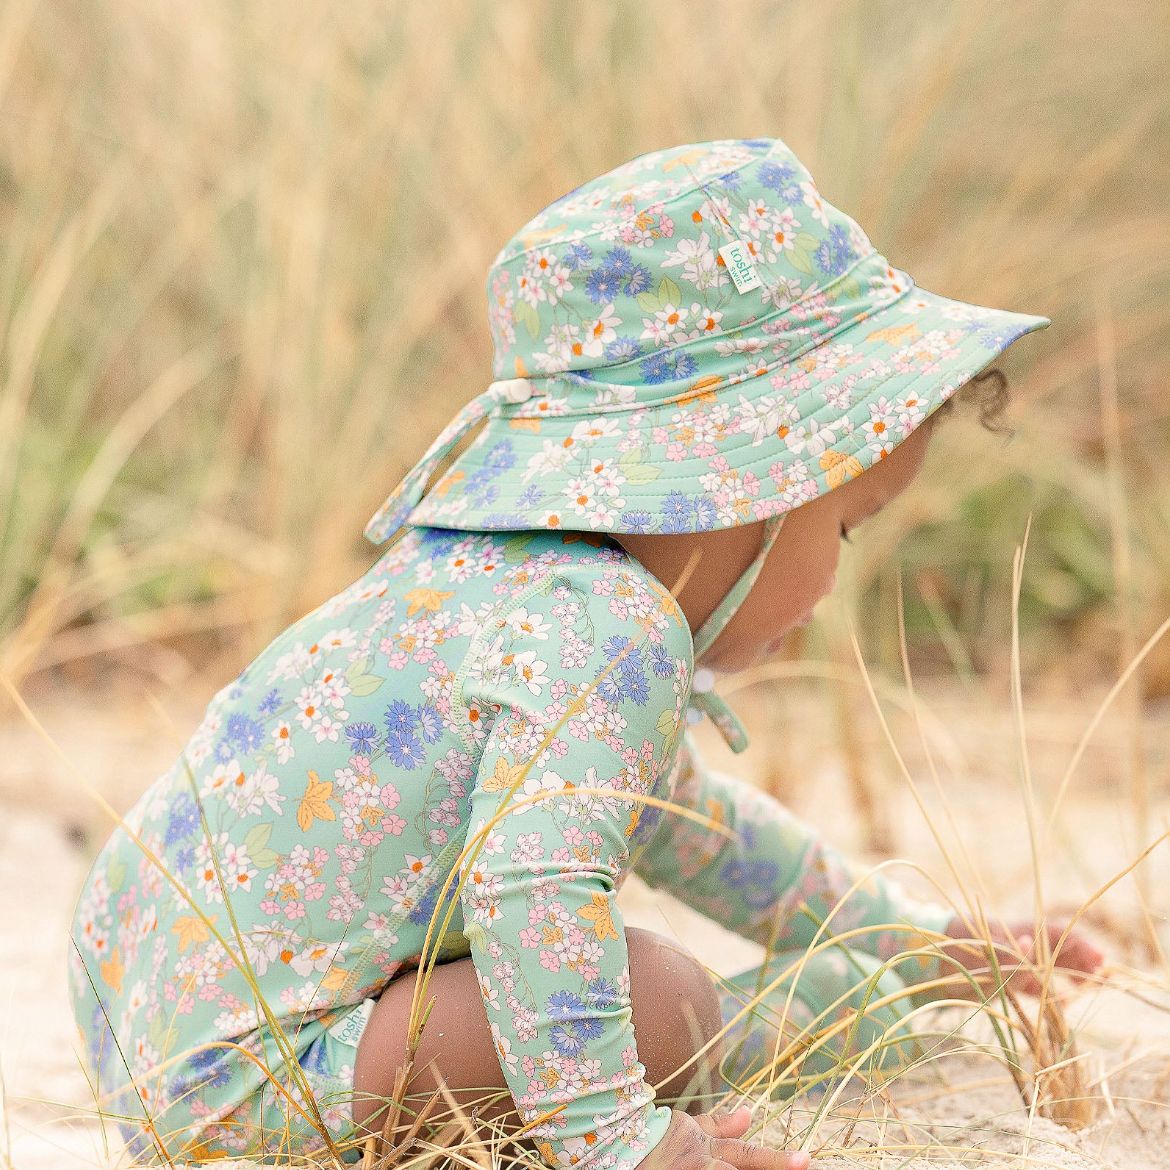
348, 1030
738, 259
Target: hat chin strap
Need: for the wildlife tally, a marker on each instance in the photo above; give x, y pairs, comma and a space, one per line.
704, 700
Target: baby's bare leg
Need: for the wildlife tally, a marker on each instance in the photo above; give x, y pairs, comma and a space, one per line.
675, 1008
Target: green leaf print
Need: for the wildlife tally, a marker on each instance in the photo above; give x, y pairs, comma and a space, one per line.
668, 292
665, 724
356, 668
514, 548
365, 684
257, 837
635, 470
116, 872
526, 314
649, 302
256, 842
643, 473
799, 260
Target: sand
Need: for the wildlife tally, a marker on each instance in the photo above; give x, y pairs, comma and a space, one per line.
966, 1111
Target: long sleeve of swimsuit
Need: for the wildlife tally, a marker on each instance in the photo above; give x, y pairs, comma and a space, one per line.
579, 683
776, 880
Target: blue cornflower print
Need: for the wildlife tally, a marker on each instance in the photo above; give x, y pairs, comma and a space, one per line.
421, 913
998, 338
603, 992
638, 520
637, 282
362, 737
500, 457
183, 819
577, 256
567, 1041
832, 256
636, 687
529, 497
612, 689
626, 682
269, 703
185, 858
316, 1059
589, 1028
757, 880
246, 734
404, 750
425, 907
623, 349
602, 285
676, 513
438, 542
401, 717
781, 178
633, 278
732, 180
209, 1062
612, 647
478, 481
223, 752
618, 261
667, 365
655, 369
661, 663
704, 514
564, 1005
481, 495
430, 723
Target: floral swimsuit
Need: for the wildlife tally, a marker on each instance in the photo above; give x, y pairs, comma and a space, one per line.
304, 839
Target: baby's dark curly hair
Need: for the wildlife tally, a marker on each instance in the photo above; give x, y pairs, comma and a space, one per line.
986, 392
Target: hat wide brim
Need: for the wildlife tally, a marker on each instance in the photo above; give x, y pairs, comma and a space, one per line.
660, 475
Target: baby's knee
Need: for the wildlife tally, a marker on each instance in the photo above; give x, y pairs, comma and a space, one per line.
671, 986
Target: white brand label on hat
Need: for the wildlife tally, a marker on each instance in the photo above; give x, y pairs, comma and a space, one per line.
738, 259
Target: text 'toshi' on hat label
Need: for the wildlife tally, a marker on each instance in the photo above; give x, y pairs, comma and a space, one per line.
738, 259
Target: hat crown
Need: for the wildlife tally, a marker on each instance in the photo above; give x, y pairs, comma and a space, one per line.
621, 281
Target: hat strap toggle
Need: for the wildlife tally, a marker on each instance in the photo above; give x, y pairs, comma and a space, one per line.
406, 496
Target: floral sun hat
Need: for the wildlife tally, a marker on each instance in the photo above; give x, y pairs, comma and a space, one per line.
693, 340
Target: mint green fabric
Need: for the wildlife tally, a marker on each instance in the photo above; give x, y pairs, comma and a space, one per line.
326, 796
806, 995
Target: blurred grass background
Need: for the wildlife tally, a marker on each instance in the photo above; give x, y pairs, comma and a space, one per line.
242, 262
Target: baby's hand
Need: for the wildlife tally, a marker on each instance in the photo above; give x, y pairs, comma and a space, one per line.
711, 1142
1016, 951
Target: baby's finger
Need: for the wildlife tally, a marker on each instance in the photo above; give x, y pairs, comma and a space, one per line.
751, 1157
1078, 954
732, 1124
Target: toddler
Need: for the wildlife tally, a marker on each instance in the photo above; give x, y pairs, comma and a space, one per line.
706, 376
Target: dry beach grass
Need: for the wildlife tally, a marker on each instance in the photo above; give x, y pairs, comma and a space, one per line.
241, 271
